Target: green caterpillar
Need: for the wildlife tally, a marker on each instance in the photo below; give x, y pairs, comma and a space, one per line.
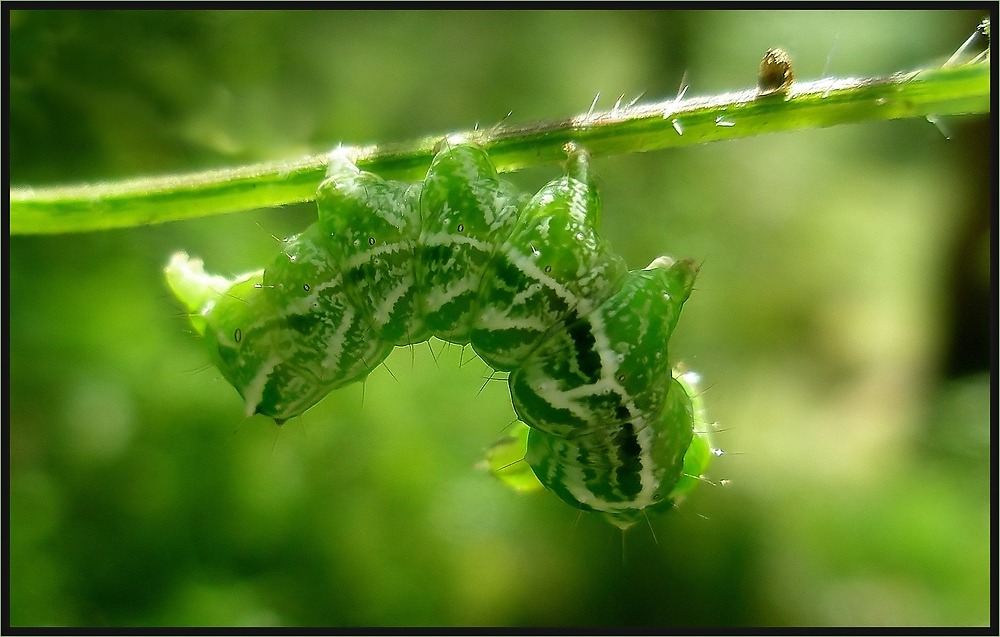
466, 258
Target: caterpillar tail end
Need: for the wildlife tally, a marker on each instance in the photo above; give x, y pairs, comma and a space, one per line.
196, 289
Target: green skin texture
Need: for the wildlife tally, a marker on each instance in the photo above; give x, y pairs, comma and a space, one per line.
527, 460
466, 258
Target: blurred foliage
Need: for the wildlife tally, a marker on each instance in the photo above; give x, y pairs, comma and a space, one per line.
840, 323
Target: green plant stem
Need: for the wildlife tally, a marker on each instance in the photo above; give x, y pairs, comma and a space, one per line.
963, 89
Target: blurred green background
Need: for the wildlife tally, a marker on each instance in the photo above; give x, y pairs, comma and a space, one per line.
841, 323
